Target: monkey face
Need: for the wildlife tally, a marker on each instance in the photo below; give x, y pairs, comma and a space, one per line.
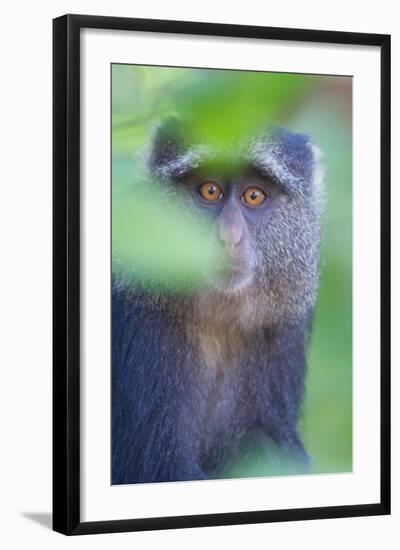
262, 198
233, 207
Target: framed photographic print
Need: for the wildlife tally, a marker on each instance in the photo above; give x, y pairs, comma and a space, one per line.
221, 274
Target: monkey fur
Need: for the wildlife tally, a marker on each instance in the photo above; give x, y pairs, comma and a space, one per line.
197, 376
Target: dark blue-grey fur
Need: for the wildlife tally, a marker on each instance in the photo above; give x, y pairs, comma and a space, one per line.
173, 418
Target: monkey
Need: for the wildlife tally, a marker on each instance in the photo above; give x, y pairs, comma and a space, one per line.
199, 376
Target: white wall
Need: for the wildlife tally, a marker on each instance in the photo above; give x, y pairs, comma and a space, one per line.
25, 289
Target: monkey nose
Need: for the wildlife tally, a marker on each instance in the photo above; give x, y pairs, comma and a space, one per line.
231, 235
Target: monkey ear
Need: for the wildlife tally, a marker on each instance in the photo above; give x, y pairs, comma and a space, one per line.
303, 166
169, 150
299, 153
290, 157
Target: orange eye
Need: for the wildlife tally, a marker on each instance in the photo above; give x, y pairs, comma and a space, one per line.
210, 191
254, 196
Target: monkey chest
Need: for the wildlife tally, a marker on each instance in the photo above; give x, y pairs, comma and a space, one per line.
224, 374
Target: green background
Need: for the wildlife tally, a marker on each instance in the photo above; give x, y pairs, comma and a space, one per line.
233, 103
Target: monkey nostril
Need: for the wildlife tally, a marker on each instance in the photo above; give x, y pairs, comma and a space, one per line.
230, 237
231, 243
237, 238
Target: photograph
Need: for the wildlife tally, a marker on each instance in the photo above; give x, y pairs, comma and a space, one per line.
231, 263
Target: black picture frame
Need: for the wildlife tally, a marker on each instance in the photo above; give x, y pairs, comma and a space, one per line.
66, 273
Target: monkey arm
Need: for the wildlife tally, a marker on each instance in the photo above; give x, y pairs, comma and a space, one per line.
150, 396
282, 379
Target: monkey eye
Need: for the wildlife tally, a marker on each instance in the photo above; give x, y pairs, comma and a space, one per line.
210, 191
254, 196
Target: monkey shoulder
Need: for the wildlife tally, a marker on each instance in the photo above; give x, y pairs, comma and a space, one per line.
146, 333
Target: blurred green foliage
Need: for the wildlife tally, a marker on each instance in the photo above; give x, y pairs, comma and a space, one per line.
225, 105
153, 241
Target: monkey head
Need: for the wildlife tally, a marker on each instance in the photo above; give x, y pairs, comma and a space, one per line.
262, 198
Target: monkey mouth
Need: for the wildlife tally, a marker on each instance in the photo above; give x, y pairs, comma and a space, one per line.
232, 278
